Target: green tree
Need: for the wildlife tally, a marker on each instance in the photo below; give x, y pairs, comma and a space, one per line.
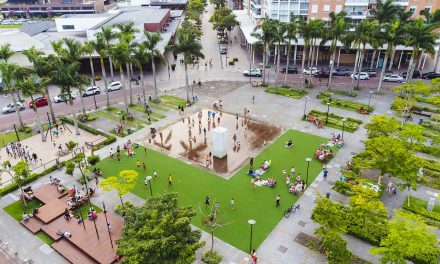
159, 232
151, 43
5, 52
194, 9
141, 56
366, 206
407, 93
291, 33
316, 30
89, 48
107, 36
411, 132
123, 183
411, 178
264, 33
223, 17
408, 237
101, 48
18, 173
119, 54
382, 126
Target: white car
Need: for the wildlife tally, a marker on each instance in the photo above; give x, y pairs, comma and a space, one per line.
361, 76
63, 97
10, 108
393, 78
253, 73
313, 70
92, 90
114, 86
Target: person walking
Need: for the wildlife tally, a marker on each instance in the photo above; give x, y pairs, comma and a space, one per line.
170, 180
253, 99
390, 187
254, 257
138, 164
155, 174
251, 162
324, 172
207, 201
292, 171
232, 203
144, 166
278, 201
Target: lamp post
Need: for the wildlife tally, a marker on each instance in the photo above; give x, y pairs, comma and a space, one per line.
148, 178
369, 98
251, 222
305, 106
328, 110
307, 175
301, 82
343, 127
331, 97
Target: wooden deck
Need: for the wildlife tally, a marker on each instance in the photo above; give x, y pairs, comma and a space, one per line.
71, 253
48, 193
33, 224
51, 210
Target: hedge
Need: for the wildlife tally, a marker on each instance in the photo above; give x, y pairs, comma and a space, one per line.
292, 93
335, 121
344, 104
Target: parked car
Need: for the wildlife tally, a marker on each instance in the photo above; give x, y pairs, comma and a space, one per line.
341, 72
430, 75
361, 76
223, 49
321, 74
416, 74
114, 86
63, 97
393, 78
313, 70
290, 69
10, 108
39, 101
371, 72
253, 73
92, 90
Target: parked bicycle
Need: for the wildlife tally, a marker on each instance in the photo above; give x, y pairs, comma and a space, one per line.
290, 210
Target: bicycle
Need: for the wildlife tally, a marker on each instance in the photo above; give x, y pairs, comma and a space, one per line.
290, 210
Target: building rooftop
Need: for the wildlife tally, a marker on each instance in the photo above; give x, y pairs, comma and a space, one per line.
86, 15
139, 15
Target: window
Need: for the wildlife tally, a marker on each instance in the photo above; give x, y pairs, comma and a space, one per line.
428, 8
413, 9
68, 27
314, 8
338, 8
326, 8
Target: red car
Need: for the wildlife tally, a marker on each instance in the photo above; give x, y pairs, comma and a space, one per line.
40, 101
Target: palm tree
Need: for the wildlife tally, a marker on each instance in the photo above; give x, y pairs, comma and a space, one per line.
335, 32
151, 44
88, 48
119, 53
101, 48
189, 47
279, 38
265, 35
107, 35
30, 86
305, 33
291, 31
434, 20
5, 52
316, 31
9, 72
42, 67
141, 56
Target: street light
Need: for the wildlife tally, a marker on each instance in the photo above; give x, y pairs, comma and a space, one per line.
331, 97
301, 82
307, 175
305, 106
148, 179
328, 110
251, 222
369, 98
343, 127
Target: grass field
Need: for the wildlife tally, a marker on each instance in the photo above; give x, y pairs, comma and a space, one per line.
192, 185
11, 26
12, 137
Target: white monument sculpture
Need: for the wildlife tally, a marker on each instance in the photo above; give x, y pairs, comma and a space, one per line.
219, 142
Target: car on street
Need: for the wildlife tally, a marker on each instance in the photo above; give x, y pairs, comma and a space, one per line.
393, 78
63, 97
114, 86
371, 72
311, 70
341, 72
10, 108
416, 74
253, 73
92, 90
223, 49
360, 76
39, 101
322, 74
430, 75
290, 69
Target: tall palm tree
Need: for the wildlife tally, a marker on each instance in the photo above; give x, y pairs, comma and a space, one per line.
101, 48
120, 55
265, 35
5, 52
279, 38
191, 49
89, 48
108, 35
305, 33
141, 56
432, 18
30, 86
151, 43
42, 67
317, 31
291, 32
9, 72
336, 31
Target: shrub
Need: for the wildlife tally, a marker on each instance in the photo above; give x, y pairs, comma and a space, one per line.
235, 59
343, 187
71, 145
436, 117
231, 62
128, 205
70, 167
211, 257
418, 206
335, 121
344, 104
292, 93
82, 180
92, 160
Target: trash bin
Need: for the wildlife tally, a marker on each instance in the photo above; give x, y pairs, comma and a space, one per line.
420, 121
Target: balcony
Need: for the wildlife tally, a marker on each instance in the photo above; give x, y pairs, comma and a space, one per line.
401, 2
357, 14
357, 2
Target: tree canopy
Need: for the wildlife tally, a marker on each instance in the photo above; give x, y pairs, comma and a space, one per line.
223, 17
123, 183
382, 126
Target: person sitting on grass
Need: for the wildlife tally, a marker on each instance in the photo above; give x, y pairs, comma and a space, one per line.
92, 215
271, 182
25, 216
288, 144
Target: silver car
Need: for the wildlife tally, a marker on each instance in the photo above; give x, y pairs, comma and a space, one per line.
10, 108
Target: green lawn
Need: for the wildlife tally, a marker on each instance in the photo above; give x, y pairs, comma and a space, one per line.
11, 26
12, 137
172, 100
193, 184
17, 208
45, 238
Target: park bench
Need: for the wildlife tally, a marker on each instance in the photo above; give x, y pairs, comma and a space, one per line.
422, 113
96, 142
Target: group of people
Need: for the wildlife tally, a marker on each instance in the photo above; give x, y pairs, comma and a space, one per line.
323, 154
315, 120
17, 150
28, 194
127, 146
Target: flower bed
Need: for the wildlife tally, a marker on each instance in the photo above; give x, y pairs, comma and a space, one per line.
335, 121
344, 104
292, 93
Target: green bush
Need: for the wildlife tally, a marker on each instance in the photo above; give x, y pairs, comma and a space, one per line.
292, 93
436, 117
418, 206
344, 104
343, 187
92, 160
70, 167
235, 59
128, 205
335, 121
71, 145
231, 62
211, 257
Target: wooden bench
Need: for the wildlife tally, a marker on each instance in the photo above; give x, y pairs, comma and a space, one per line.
33, 224
96, 142
72, 253
51, 211
422, 113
